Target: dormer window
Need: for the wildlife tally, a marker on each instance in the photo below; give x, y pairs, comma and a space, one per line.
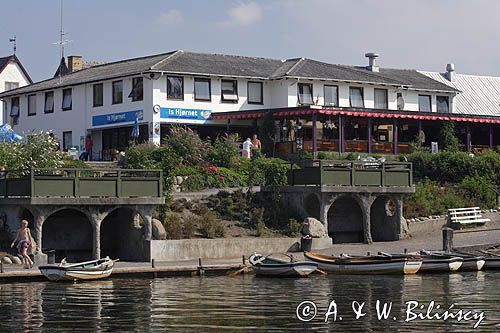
229, 91
304, 93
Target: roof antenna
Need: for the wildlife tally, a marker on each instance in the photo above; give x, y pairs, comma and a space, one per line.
13, 40
61, 41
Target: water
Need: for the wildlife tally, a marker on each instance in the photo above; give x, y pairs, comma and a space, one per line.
244, 303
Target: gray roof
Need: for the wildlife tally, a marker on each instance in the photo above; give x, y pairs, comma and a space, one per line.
237, 66
480, 95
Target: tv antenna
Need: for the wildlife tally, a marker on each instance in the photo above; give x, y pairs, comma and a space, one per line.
62, 41
14, 40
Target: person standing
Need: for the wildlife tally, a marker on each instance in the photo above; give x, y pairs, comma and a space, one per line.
25, 241
256, 144
89, 144
247, 148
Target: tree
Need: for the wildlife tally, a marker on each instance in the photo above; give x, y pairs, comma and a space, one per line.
448, 138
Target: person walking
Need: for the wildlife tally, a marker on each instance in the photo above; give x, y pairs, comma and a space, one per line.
256, 146
25, 241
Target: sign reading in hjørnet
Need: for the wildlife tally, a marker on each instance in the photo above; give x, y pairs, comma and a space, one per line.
180, 115
115, 118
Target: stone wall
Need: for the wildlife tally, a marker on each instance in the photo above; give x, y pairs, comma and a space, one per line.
187, 249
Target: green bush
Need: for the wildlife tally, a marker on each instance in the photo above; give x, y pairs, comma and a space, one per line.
225, 151
189, 226
232, 178
487, 164
186, 144
173, 226
211, 227
448, 139
293, 228
71, 163
478, 191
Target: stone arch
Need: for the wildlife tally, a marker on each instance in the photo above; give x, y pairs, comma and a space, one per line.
345, 220
121, 235
312, 205
68, 231
384, 219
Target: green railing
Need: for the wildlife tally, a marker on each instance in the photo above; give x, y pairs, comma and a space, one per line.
351, 173
114, 183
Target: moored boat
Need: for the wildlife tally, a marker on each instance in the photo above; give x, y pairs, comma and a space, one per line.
432, 263
267, 266
365, 265
88, 270
491, 263
470, 262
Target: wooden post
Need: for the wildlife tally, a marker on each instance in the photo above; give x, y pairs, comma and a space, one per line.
244, 261
370, 134
314, 135
395, 137
201, 271
468, 142
152, 263
447, 239
490, 129
341, 134
1, 267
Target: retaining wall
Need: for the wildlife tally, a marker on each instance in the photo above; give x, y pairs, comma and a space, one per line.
187, 249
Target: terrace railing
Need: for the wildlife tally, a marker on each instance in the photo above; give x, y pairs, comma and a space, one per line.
350, 173
114, 183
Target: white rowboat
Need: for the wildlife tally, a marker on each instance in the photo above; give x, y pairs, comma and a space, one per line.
89, 270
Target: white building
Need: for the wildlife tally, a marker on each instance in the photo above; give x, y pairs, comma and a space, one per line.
338, 107
12, 76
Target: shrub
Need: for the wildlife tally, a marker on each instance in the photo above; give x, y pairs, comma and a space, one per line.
211, 227
232, 178
293, 228
478, 190
487, 164
173, 226
71, 163
225, 151
189, 226
448, 138
186, 144
267, 132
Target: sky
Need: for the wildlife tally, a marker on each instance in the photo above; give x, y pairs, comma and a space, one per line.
423, 34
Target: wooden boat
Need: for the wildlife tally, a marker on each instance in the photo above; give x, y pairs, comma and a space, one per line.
470, 262
491, 263
432, 263
89, 270
268, 266
365, 265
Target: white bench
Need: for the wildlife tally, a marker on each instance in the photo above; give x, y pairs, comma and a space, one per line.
463, 217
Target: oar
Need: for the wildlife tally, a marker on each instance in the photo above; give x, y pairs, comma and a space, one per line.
490, 253
238, 272
321, 272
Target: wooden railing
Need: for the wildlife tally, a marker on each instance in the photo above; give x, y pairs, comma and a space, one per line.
118, 183
350, 173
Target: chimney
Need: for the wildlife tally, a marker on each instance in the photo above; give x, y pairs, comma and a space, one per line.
75, 63
450, 72
372, 64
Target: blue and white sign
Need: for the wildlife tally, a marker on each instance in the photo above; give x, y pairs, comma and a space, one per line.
115, 118
180, 115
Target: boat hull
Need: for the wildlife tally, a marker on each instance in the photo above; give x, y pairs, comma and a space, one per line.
57, 274
492, 263
292, 270
440, 265
472, 264
369, 266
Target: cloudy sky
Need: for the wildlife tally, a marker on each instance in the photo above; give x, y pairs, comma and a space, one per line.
423, 34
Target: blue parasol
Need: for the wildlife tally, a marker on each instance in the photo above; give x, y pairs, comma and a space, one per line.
7, 134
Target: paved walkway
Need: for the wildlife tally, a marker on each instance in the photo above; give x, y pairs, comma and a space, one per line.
209, 192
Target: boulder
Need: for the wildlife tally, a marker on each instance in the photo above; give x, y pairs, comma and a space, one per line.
7, 261
158, 230
16, 260
313, 227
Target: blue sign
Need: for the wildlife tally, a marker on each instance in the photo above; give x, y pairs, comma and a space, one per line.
115, 118
180, 115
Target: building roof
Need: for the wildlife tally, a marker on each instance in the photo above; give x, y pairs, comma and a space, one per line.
480, 95
4, 61
193, 63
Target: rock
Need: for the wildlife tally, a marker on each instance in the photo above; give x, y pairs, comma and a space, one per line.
158, 230
179, 180
313, 227
406, 230
16, 261
7, 261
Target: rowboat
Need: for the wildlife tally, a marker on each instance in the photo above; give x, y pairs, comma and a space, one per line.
88, 270
365, 264
267, 266
470, 262
432, 263
491, 263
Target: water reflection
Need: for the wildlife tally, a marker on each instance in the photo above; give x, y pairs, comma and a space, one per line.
214, 304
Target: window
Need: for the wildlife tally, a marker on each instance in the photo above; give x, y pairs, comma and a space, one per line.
442, 103
356, 97
67, 140
117, 92
14, 107
49, 102
255, 93
11, 85
98, 94
304, 93
175, 87
31, 105
331, 95
424, 103
229, 91
202, 90
380, 96
67, 99
400, 101
137, 93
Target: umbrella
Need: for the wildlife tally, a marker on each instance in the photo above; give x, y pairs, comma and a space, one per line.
135, 130
7, 134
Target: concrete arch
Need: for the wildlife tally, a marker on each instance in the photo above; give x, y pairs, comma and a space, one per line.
346, 220
384, 219
69, 232
312, 205
120, 236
